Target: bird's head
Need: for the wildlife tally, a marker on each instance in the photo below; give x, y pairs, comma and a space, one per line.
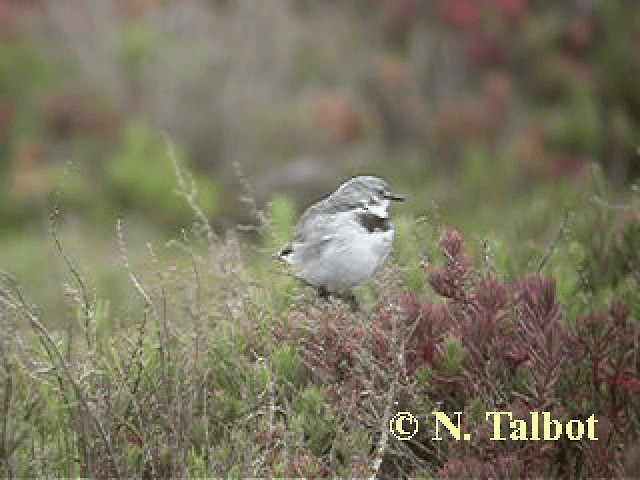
364, 194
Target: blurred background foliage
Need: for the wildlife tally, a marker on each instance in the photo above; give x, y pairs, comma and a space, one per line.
488, 112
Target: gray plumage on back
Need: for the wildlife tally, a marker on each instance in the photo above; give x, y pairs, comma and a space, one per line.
354, 193
343, 239
350, 196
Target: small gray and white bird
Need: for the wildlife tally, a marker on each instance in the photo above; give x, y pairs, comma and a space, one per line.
343, 240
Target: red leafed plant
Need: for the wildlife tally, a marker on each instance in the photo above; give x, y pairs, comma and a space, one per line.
487, 345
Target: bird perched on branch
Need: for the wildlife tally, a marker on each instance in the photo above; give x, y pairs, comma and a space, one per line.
343, 240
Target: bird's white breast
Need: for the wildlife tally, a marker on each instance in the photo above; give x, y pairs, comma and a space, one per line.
349, 256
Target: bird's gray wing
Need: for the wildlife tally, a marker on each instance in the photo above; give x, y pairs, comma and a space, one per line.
312, 231
310, 224
318, 215
341, 203
315, 227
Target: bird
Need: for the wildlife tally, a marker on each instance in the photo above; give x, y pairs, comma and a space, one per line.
342, 240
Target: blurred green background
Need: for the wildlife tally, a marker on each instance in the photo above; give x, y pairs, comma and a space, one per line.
491, 114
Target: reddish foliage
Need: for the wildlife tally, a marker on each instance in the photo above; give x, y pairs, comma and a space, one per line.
483, 50
467, 14
331, 353
8, 27
66, 113
449, 281
513, 9
340, 119
490, 295
623, 381
432, 321
70, 113
632, 460
475, 119
461, 13
519, 356
565, 165
579, 36
619, 313
137, 8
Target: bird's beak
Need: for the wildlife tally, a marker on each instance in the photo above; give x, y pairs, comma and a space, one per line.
396, 197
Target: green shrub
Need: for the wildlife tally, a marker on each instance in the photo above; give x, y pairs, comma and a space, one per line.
141, 177
314, 419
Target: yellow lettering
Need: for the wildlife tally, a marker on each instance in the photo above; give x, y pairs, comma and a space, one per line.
454, 430
496, 424
578, 435
546, 427
535, 426
591, 427
518, 430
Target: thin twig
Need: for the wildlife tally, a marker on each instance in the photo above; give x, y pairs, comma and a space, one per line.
6, 407
17, 301
189, 193
551, 246
249, 199
54, 219
384, 437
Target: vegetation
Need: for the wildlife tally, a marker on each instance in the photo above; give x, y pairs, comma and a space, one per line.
146, 330
220, 367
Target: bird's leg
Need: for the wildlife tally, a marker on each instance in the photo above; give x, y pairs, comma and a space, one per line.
323, 293
351, 299
347, 297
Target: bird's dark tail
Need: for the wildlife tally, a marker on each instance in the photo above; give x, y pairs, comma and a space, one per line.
284, 253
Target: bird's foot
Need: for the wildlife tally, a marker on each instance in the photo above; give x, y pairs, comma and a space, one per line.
349, 298
353, 302
323, 293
